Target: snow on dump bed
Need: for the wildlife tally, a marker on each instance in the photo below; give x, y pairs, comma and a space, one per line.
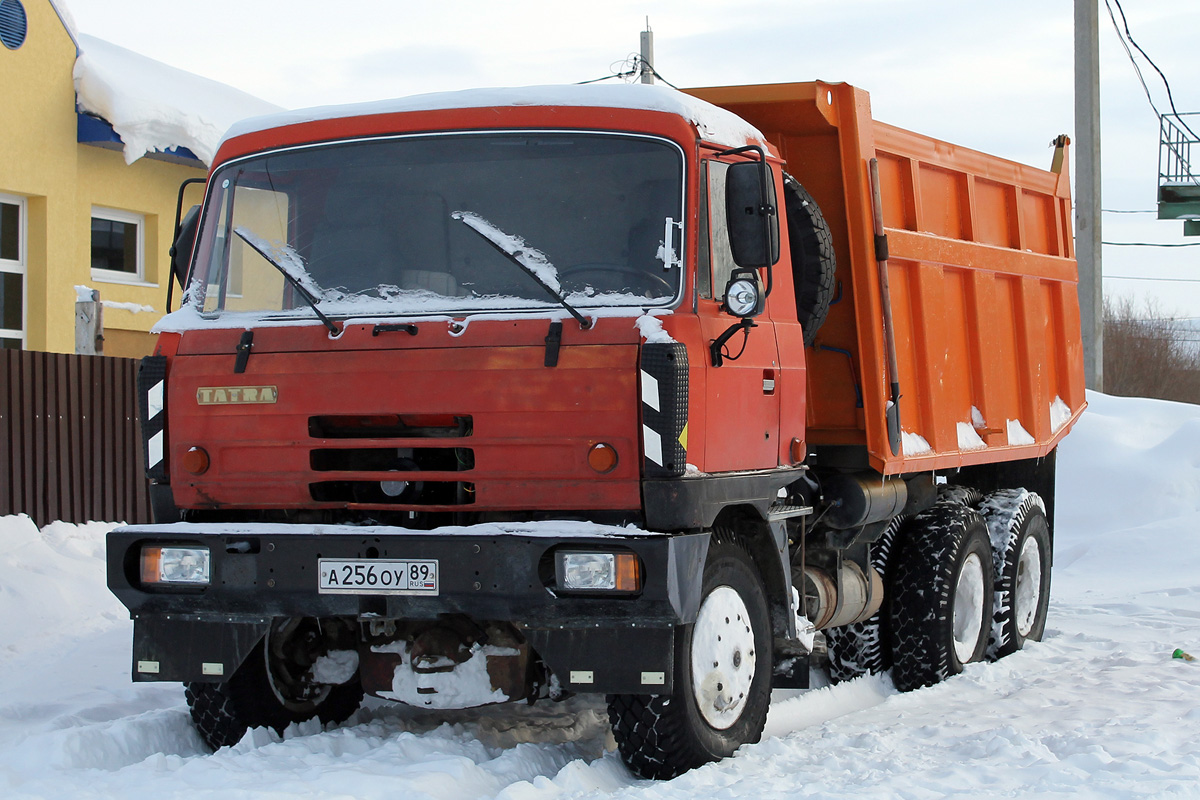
1099, 709
714, 124
154, 107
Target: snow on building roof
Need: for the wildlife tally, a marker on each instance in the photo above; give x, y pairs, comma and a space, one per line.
155, 107
713, 123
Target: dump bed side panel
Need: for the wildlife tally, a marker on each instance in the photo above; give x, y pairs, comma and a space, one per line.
982, 285
983, 288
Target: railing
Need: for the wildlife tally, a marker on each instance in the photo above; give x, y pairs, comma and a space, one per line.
1177, 138
69, 443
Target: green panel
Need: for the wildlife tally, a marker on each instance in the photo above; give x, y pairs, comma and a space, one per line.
1176, 210
1191, 227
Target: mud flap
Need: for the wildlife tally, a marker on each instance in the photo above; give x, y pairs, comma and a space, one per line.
171, 649
625, 660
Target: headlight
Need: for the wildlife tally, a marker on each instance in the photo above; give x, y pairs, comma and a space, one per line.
741, 297
186, 566
599, 572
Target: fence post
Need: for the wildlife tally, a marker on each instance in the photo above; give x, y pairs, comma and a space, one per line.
89, 322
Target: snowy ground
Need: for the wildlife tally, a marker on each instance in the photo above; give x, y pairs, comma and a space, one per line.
1099, 709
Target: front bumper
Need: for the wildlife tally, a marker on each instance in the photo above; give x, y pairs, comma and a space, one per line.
499, 572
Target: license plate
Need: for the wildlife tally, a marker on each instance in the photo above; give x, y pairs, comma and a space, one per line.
377, 576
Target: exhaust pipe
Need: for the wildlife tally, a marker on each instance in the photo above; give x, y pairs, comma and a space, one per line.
853, 597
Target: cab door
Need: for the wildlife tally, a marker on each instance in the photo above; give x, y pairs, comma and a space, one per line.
742, 402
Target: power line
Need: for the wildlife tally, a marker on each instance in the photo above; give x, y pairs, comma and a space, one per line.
1150, 61
634, 65
1128, 52
1129, 211
1138, 278
1167, 83
1151, 244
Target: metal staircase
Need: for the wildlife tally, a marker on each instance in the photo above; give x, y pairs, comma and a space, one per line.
1178, 175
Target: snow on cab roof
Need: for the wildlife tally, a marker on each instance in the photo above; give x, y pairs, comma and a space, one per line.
155, 107
713, 123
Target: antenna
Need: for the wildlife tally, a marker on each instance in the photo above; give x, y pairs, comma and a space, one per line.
646, 65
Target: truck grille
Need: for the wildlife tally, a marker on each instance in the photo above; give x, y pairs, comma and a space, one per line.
417, 474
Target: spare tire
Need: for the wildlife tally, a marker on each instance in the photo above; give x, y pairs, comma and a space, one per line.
813, 262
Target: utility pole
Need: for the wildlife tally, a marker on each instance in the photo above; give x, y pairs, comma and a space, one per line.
1087, 189
647, 63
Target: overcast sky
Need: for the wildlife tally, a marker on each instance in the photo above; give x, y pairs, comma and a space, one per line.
995, 76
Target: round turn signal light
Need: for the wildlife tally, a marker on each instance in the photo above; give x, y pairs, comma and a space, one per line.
602, 457
195, 460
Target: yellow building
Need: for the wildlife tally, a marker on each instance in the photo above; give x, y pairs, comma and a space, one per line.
72, 211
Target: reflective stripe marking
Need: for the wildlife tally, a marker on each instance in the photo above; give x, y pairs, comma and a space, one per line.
154, 400
650, 390
155, 446
653, 444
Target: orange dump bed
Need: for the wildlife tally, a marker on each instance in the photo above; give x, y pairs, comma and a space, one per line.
982, 284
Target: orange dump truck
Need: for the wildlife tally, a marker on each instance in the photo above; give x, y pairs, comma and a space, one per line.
516, 394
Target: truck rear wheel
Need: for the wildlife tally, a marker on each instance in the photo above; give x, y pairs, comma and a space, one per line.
942, 603
1020, 534
863, 648
722, 686
269, 690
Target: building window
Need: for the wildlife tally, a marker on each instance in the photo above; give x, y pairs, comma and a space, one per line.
13, 25
12, 272
117, 245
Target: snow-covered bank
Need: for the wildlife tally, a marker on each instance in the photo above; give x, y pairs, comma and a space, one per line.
1099, 709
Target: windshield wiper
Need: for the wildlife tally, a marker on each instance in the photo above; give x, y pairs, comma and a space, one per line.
532, 262
277, 257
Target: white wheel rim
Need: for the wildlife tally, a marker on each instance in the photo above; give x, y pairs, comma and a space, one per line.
1029, 586
968, 608
723, 657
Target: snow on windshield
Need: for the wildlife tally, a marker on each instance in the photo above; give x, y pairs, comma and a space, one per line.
154, 107
533, 260
284, 256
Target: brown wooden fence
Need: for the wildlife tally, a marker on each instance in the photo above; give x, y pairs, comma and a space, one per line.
69, 442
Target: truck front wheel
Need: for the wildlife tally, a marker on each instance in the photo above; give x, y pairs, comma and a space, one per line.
272, 689
941, 611
722, 686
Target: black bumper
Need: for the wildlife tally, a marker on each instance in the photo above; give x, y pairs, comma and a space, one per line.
596, 643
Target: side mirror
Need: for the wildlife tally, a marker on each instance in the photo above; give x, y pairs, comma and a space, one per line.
181, 250
750, 211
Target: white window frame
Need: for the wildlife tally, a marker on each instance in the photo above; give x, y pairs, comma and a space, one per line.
112, 275
18, 267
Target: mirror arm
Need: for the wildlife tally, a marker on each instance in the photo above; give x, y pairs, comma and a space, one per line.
718, 344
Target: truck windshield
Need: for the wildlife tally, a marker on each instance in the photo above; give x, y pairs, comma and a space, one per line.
445, 223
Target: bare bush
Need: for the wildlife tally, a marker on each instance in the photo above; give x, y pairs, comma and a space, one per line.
1148, 354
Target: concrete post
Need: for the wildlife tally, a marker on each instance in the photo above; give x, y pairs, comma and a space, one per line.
89, 323
1087, 189
647, 54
